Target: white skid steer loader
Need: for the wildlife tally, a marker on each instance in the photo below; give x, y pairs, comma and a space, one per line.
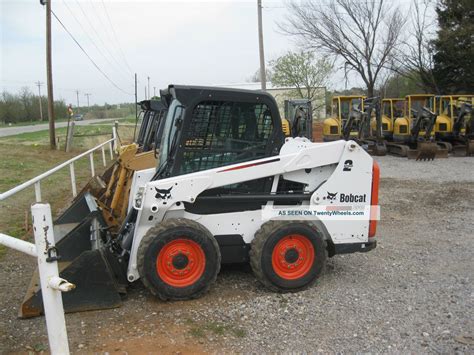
223, 158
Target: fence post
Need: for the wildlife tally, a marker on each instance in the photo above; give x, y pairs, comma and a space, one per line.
51, 284
70, 134
38, 191
115, 135
103, 156
73, 179
91, 158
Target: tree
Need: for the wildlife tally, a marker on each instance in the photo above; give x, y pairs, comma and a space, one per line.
363, 34
255, 78
302, 71
414, 60
454, 48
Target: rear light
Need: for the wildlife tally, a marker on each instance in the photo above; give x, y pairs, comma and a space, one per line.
374, 200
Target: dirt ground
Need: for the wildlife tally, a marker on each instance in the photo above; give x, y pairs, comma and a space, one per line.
413, 293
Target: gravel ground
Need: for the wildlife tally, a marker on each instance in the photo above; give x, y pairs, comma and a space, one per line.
413, 293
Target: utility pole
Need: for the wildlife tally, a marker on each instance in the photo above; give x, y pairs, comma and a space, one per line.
154, 90
39, 83
148, 85
87, 95
77, 96
145, 94
263, 74
49, 75
136, 108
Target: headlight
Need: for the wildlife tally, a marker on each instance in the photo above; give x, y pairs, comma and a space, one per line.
138, 200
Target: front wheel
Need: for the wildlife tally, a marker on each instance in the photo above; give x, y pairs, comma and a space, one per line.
178, 259
288, 256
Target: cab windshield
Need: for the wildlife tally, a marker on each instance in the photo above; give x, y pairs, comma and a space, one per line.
169, 132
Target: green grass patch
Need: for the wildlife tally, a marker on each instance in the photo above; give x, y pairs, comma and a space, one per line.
219, 329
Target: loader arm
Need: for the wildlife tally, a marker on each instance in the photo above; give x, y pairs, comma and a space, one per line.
466, 109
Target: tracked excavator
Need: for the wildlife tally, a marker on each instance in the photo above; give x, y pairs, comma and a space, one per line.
222, 160
298, 118
453, 121
342, 109
413, 133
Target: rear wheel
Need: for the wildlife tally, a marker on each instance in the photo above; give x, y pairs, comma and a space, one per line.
288, 256
178, 259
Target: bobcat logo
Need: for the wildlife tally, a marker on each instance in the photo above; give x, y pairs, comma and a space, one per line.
164, 194
331, 196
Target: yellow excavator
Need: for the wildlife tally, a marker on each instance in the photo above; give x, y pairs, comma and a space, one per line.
392, 108
453, 121
413, 133
297, 120
342, 108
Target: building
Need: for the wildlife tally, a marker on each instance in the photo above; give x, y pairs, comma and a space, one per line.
284, 93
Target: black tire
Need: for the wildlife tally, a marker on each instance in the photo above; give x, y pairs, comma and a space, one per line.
175, 230
264, 243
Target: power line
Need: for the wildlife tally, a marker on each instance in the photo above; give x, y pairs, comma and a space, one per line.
97, 34
93, 42
88, 56
116, 39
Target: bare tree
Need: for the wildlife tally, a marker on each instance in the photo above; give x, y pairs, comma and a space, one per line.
414, 59
362, 33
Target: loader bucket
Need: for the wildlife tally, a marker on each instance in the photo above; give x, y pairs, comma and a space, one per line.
379, 149
424, 151
97, 274
469, 147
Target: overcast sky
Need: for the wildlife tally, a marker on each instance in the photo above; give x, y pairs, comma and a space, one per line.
182, 42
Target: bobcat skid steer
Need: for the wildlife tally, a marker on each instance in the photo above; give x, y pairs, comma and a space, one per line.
222, 157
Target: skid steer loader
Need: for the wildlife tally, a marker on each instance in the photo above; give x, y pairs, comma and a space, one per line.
454, 115
222, 157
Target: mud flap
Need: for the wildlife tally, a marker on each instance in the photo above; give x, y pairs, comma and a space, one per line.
98, 275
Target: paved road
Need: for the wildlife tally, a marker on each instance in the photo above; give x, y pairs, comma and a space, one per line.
11, 131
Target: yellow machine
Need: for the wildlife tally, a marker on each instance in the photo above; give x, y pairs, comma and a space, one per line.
454, 116
413, 133
403, 125
392, 108
297, 120
342, 107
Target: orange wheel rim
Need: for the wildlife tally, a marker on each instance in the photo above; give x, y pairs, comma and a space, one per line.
293, 256
181, 262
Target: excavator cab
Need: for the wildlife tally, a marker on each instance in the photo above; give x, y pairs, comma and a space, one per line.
343, 122
454, 113
298, 121
392, 108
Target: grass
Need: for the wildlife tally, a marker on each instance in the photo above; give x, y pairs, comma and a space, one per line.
200, 330
26, 155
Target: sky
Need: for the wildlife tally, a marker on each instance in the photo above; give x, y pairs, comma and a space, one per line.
180, 42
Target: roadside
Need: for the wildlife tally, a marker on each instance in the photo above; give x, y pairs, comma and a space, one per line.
18, 129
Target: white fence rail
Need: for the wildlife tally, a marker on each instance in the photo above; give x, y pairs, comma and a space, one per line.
36, 181
44, 248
